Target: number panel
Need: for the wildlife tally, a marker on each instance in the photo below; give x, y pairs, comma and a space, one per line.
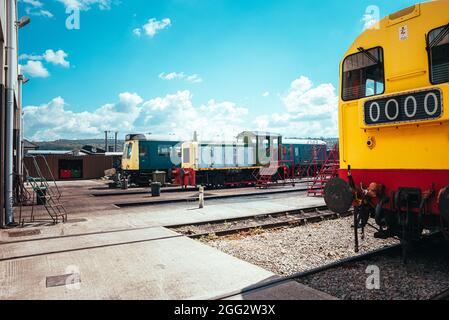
409, 107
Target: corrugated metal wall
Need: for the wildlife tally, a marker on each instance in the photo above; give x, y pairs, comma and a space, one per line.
93, 165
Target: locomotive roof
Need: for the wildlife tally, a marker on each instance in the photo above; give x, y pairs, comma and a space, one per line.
258, 133
153, 137
303, 141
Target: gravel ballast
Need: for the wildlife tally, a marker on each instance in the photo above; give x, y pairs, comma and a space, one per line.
290, 250
424, 276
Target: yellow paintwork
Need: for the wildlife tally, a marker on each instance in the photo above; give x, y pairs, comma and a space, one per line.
133, 162
192, 162
417, 145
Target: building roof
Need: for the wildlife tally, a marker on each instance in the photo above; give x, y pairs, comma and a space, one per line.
44, 152
303, 141
29, 145
153, 137
258, 133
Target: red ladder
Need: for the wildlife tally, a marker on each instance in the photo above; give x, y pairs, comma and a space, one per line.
328, 171
266, 175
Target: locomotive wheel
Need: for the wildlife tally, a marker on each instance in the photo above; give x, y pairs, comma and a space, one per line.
338, 195
444, 204
443, 200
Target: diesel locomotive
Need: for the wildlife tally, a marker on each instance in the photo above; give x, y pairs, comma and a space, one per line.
144, 154
242, 162
394, 125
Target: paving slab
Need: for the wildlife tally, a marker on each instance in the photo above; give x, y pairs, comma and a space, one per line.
176, 268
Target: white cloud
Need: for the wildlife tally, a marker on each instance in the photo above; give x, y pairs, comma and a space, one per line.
35, 8
172, 75
56, 58
173, 113
25, 56
153, 26
194, 78
86, 4
309, 111
34, 3
266, 94
137, 32
34, 69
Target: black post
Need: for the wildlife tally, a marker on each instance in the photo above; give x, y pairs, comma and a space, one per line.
106, 141
115, 142
356, 229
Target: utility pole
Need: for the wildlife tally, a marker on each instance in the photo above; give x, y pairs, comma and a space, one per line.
106, 141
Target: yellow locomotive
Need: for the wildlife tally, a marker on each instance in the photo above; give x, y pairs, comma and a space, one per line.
394, 124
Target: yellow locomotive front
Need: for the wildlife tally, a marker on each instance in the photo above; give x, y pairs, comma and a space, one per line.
394, 124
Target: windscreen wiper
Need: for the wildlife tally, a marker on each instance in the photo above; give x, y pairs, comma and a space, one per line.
369, 55
443, 33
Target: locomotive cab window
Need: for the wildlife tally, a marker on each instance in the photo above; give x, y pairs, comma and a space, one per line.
438, 45
363, 74
129, 150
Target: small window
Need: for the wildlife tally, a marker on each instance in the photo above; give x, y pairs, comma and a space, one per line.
438, 44
186, 155
143, 152
164, 151
363, 74
129, 150
296, 152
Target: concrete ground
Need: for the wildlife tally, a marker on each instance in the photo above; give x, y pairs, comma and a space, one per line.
96, 255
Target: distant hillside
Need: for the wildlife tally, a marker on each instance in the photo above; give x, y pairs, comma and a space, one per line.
76, 144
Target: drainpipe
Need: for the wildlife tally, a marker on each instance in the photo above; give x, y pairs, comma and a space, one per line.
10, 81
19, 128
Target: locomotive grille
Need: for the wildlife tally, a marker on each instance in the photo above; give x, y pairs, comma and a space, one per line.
414, 106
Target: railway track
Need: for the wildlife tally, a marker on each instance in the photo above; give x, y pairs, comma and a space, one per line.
226, 227
443, 295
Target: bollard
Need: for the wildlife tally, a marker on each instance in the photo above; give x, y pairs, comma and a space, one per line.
201, 198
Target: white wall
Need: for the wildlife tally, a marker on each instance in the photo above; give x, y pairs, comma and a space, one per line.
2, 17
2, 37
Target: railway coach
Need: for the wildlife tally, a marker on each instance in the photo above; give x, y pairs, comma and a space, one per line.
394, 125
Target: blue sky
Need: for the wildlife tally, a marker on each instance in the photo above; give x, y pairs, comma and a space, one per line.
174, 66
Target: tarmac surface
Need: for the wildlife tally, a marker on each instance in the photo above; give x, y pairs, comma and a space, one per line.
128, 253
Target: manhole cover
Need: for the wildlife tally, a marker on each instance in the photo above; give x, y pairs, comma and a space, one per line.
63, 280
24, 233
